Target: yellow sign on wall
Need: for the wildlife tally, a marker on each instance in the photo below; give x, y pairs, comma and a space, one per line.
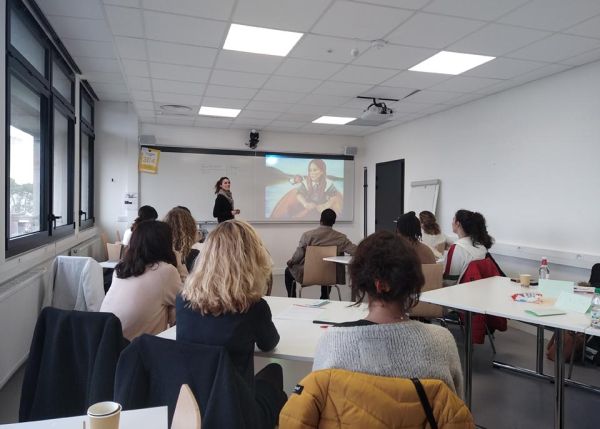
148, 162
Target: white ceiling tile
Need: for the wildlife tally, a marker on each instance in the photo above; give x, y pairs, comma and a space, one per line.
488, 10
408, 106
317, 128
243, 80
144, 105
307, 68
497, 40
588, 57
81, 28
173, 53
289, 15
125, 21
552, 15
540, 73
268, 106
394, 57
346, 112
174, 120
136, 68
286, 124
89, 48
388, 92
465, 84
504, 68
131, 48
89, 64
279, 96
431, 96
296, 84
297, 117
258, 114
171, 98
228, 103
556, 48
112, 96
184, 29
404, 4
177, 87
314, 111
363, 74
589, 28
104, 77
206, 122
417, 80
343, 89
129, 3
330, 49
140, 95
179, 72
144, 112
360, 21
201, 8
243, 61
347, 130
324, 100
417, 31
250, 122
229, 92
78, 9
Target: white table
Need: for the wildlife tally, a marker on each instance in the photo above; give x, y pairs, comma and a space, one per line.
109, 264
147, 418
493, 296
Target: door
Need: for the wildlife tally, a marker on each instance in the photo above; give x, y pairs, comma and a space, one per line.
389, 194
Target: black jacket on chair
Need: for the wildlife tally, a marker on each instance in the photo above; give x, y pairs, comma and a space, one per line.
152, 369
72, 363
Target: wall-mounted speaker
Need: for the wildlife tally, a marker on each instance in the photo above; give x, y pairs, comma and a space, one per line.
147, 140
350, 150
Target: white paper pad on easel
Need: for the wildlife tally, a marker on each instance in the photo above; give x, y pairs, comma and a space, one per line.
297, 312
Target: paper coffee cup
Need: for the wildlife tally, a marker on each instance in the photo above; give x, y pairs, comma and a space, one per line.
104, 415
525, 279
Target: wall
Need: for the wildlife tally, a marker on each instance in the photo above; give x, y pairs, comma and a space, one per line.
281, 240
116, 150
527, 158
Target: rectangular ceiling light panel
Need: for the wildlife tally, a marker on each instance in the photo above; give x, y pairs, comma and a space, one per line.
258, 40
219, 111
333, 120
454, 63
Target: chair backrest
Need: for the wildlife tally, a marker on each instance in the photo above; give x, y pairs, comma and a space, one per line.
187, 413
481, 269
433, 274
316, 270
77, 283
114, 251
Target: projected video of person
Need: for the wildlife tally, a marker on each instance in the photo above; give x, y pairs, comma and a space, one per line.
302, 188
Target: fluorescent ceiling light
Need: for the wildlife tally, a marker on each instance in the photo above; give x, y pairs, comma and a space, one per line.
258, 40
445, 62
219, 111
333, 120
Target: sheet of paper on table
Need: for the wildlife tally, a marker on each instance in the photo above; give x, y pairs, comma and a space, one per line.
297, 312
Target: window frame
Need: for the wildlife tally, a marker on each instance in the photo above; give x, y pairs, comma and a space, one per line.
87, 128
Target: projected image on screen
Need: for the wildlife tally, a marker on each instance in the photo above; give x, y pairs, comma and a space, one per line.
300, 188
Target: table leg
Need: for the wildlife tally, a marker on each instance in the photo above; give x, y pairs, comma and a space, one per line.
539, 352
559, 378
468, 364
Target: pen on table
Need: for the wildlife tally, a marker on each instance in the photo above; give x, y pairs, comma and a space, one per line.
323, 322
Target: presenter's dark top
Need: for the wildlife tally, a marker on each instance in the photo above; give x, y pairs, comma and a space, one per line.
223, 209
238, 333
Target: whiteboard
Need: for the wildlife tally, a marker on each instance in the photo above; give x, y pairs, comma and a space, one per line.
259, 180
423, 196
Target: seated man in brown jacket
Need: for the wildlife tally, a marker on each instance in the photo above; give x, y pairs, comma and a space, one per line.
324, 235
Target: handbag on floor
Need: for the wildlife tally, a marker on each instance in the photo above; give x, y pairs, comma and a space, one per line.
573, 343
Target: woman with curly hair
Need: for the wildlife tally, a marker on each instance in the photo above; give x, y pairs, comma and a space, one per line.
387, 270
184, 229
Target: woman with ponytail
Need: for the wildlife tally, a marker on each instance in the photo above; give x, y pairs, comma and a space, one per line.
472, 244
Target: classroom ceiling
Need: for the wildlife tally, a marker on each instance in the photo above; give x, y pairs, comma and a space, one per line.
156, 52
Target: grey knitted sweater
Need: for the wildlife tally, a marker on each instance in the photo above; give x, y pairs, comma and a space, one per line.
406, 349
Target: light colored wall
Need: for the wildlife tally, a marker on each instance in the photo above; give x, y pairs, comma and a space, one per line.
281, 239
527, 158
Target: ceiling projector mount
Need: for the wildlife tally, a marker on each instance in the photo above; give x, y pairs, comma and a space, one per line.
377, 112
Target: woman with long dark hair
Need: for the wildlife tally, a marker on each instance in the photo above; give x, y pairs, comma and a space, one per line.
472, 244
316, 192
145, 282
224, 204
144, 213
409, 227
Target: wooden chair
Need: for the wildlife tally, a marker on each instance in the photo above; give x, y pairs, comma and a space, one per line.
318, 272
114, 251
433, 274
187, 413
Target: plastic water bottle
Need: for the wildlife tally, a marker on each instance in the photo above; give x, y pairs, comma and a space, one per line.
544, 272
596, 309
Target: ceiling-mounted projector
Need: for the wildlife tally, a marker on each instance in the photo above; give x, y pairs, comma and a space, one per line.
375, 114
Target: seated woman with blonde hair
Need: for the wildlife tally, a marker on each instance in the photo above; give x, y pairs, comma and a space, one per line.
183, 226
221, 305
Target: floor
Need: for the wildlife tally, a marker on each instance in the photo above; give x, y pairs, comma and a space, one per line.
501, 400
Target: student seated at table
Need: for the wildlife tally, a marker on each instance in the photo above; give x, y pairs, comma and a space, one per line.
145, 282
472, 244
221, 305
409, 227
387, 270
432, 234
144, 213
184, 230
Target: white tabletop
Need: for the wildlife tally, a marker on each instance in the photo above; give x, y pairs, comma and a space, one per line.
109, 264
339, 259
299, 337
147, 418
493, 296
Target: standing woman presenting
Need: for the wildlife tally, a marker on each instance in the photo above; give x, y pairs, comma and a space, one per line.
223, 209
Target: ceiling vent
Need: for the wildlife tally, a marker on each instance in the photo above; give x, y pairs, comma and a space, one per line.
175, 110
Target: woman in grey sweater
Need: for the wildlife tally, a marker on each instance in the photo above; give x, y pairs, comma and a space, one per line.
386, 268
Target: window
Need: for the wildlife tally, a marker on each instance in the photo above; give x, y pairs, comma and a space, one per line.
40, 161
86, 161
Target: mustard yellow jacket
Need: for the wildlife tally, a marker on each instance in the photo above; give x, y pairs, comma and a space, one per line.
336, 398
